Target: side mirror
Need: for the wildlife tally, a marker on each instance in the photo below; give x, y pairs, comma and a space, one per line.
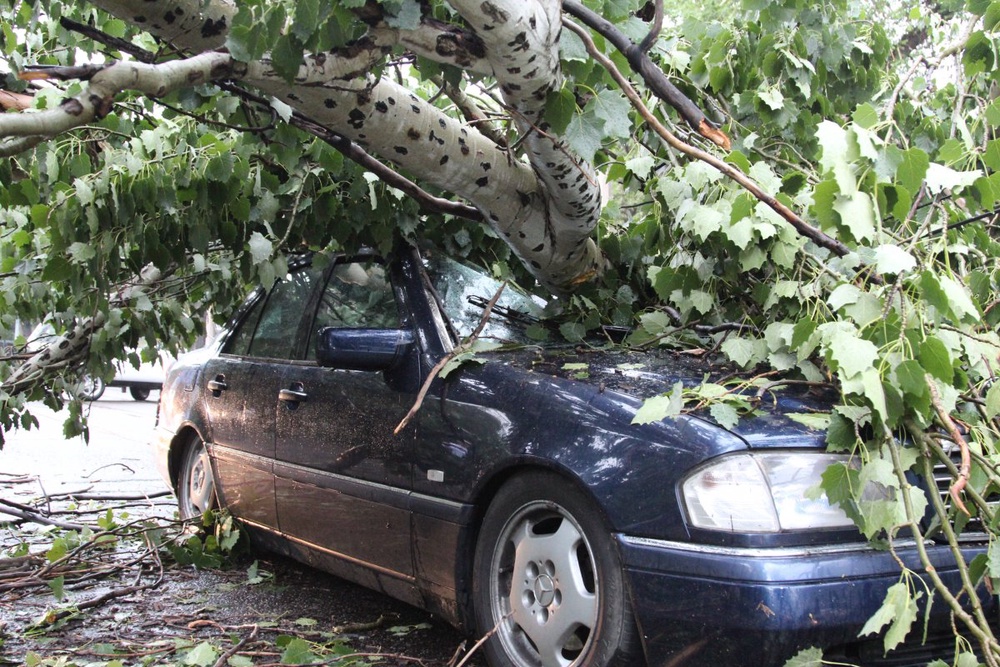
362, 349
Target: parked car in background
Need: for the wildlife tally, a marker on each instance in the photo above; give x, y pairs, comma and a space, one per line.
139, 380
520, 499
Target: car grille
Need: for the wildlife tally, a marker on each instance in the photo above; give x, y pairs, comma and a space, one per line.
912, 653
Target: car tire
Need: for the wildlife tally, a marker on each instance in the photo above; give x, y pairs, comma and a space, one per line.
91, 388
138, 393
548, 580
195, 482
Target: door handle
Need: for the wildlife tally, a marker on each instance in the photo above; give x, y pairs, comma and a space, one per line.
218, 385
294, 394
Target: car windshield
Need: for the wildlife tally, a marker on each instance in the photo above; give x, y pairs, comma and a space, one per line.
464, 293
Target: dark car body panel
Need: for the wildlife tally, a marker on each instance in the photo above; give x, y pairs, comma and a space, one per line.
306, 456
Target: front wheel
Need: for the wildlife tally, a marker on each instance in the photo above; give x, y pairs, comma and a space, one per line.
549, 580
91, 388
195, 484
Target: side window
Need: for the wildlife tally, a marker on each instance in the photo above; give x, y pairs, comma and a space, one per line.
357, 295
272, 329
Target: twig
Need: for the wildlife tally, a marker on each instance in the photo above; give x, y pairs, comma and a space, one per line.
459, 349
224, 658
482, 640
949, 424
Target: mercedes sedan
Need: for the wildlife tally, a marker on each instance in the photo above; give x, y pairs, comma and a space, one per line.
396, 422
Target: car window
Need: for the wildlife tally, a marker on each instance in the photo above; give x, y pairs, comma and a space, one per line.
272, 328
357, 295
465, 291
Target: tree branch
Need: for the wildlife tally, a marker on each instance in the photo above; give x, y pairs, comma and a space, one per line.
800, 225
650, 73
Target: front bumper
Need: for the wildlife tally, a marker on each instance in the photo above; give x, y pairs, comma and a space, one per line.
719, 606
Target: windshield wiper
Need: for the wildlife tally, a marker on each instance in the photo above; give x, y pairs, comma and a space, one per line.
510, 314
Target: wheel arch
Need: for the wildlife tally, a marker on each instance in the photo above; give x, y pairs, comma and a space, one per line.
181, 440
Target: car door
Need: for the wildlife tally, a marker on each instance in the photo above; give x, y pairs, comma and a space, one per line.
242, 386
342, 475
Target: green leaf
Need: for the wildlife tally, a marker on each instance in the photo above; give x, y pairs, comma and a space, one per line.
958, 298
585, 134
809, 657
260, 248
306, 19
297, 652
853, 354
899, 611
913, 169
574, 332
941, 178
613, 108
772, 97
56, 586
993, 400
560, 106
661, 407
286, 56
407, 17
741, 350
725, 414
891, 258
857, 214
936, 360
865, 115
202, 655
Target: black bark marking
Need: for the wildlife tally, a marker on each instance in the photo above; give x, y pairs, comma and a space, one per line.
293, 97
140, 19
213, 28
465, 149
442, 123
519, 43
524, 197
72, 107
483, 182
400, 149
414, 108
412, 133
496, 14
381, 107
391, 100
538, 248
486, 166
329, 103
443, 161
356, 119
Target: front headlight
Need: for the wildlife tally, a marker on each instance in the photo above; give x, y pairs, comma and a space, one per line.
761, 492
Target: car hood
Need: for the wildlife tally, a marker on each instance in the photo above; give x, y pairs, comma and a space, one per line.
777, 420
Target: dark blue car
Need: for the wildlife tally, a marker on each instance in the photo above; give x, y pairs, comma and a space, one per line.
516, 494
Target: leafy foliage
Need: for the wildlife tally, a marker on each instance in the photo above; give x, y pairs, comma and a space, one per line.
876, 123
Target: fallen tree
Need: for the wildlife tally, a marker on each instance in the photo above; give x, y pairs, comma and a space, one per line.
830, 216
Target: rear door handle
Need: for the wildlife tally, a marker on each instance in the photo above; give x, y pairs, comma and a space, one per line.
218, 385
294, 394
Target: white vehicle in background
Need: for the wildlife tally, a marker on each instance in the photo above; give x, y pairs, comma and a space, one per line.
139, 382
